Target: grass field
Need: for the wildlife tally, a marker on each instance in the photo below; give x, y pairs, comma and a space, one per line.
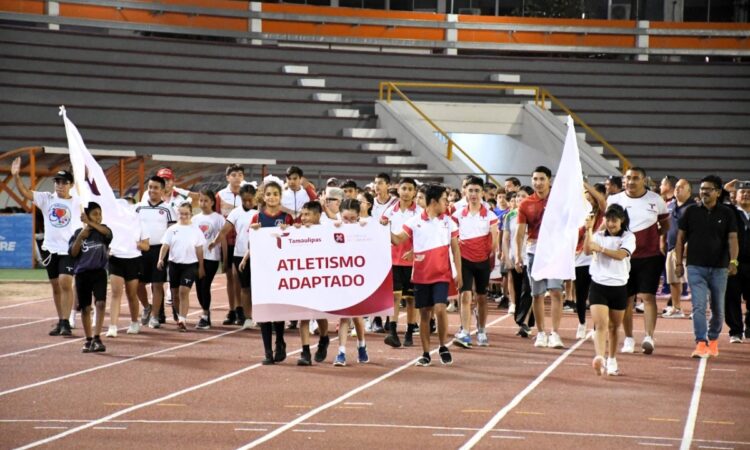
23, 275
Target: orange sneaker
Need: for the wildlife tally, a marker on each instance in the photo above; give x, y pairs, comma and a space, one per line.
701, 350
713, 348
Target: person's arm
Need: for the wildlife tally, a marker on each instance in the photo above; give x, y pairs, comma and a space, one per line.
734, 251
162, 254
75, 247
455, 248
221, 237
520, 234
679, 251
731, 186
506, 248
495, 239
15, 170
143, 245
310, 189
601, 201
397, 239
201, 267
245, 260
588, 235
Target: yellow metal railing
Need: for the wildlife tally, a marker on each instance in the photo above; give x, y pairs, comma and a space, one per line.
386, 89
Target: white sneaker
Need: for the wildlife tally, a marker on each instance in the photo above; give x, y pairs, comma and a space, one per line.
674, 314
451, 307
647, 345
112, 331
368, 325
554, 341
134, 328
541, 340
512, 308
353, 331
313, 326
248, 324
640, 307
581, 331
667, 310
72, 318
153, 322
612, 369
168, 295
735, 339
628, 345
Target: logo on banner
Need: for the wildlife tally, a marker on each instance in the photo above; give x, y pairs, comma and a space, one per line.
339, 237
6, 245
59, 215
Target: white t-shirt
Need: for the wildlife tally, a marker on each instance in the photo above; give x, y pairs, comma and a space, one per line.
178, 197
609, 271
155, 219
61, 218
125, 243
210, 225
511, 226
182, 241
241, 219
644, 213
431, 239
325, 219
379, 208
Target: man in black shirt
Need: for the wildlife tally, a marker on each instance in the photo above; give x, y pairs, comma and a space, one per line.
710, 229
738, 286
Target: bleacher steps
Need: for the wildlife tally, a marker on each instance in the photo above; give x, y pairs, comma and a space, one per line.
327, 97
505, 78
301, 70
342, 112
598, 149
398, 160
615, 162
547, 104
312, 82
365, 133
520, 91
381, 146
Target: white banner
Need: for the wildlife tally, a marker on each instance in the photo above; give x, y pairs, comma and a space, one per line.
321, 272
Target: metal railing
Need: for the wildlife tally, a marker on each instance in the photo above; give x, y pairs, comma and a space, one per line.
386, 89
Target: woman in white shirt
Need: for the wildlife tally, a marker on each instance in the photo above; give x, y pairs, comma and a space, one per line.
184, 242
610, 268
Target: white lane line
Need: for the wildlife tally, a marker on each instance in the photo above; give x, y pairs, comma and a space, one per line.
718, 448
110, 428
681, 368
50, 428
521, 395
26, 303
251, 429
358, 403
115, 363
507, 437
448, 434
70, 341
687, 434
309, 431
341, 398
7, 327
654, 444
723, 370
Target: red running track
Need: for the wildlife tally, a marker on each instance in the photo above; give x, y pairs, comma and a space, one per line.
206, 389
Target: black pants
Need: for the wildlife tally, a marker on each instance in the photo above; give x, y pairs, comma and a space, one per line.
583, 282
738, 286
203, 285
266, 328
522, 298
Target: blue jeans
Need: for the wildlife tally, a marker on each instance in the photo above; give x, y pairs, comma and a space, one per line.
705, 280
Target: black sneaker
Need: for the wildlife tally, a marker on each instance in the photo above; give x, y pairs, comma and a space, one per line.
292, 325
174, 314
87, 346
524, 331
392, 338
504, 302
433, 326
280, 353
747, 333
424, 361
445, 356
97, 346
268, 360
322, 351
304, 359
408, 339
56, 331
203, 324
231, 317
240, 314
377, 325
65, 329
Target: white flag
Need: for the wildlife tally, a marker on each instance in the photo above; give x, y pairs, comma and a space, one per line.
91, 185
565, 213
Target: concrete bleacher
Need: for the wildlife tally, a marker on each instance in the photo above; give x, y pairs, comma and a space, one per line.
156, 95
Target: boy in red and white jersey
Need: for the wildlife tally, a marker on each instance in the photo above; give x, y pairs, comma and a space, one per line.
649, 221
402, 257
437, 260
479, 238
383, 200
297, 192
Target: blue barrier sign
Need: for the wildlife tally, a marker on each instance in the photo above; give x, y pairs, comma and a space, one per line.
15, 241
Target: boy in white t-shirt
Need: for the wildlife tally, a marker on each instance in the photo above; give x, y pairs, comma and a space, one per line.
62, 216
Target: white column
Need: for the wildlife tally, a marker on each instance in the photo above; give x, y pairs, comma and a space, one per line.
641, 40
52, 8
451, 34
256, 25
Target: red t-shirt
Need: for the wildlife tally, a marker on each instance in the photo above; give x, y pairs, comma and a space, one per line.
530, 212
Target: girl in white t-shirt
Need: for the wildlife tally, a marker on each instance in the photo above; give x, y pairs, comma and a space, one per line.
608, 295
210, 223
184, 242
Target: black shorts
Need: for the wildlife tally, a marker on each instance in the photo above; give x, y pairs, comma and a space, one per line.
245, 274
614, 297
149, 272
182, 274
475, 276
91, 282
230, 253
59, 265
402, 280
429, 295
644, 275
126, 268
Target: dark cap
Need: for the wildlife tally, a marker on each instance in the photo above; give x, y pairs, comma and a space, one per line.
614, 179
64, 175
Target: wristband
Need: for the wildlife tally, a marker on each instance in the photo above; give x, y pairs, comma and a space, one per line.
734, 262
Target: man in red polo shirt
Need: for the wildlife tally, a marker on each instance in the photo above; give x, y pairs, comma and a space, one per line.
530, 214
